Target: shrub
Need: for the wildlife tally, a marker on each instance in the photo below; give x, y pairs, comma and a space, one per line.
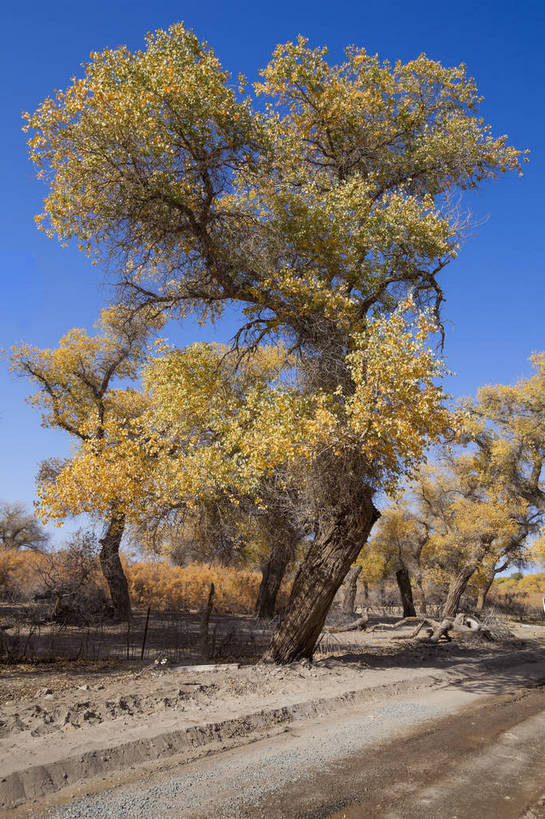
163, 586
20, 574
71, 582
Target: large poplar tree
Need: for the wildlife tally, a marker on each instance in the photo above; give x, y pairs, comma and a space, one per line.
318, 215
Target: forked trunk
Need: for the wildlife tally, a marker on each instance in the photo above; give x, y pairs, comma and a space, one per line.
351, 586
336, 546
273, 574
112, 568
405, 590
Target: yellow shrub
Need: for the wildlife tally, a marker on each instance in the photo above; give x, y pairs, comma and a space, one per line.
19, 572
151, 583
163, 586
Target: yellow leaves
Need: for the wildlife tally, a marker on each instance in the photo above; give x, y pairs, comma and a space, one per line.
101, 475
148, 143
470, 515
316, 216
396, 409
81, 389
230, 428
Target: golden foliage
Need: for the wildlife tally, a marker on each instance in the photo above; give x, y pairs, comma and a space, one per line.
154, 583
339, 182
19, 572
213, 428
163, 586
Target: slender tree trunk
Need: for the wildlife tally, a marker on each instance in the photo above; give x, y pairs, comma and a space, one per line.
350, 588
405, 590
420, 595
337, 544
112, 568
483, 591
456, 589
382, 592
273, 574
206, 611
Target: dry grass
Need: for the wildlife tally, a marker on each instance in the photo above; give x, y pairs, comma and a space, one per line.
152, 583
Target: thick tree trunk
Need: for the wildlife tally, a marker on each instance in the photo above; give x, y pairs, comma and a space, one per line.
112, 568
404, 584
273, 574
350, 588
335, 547
456, 589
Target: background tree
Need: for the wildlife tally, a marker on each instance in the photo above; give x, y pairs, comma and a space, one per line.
399, 539
507, 423
316, 215
80, 390
219, 424
471, 524
19, 529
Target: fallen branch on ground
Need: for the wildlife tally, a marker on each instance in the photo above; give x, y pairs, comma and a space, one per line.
440, 629
357, 625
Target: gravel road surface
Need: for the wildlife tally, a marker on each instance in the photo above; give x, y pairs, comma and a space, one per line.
459, 752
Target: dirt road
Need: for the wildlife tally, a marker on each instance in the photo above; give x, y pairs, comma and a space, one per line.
469, 750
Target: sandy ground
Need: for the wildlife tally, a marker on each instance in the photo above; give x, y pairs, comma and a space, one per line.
457, 753
68, 712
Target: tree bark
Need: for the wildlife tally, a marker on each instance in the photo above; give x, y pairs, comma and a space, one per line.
273, 574
420, 595
404, 584
456, 589
336, 546
351, 586
482, 595
112, 568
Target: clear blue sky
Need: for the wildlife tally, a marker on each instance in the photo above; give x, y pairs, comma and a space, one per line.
495, 290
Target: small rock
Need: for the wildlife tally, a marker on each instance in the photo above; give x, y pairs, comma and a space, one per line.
43, 692
84, 687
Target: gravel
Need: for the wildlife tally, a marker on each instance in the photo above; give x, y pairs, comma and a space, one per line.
235, 782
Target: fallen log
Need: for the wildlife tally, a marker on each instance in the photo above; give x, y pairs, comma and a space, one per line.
357, 625
440, 629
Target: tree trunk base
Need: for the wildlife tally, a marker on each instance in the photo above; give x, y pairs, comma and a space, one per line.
336, 546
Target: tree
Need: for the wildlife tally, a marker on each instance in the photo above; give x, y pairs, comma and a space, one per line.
400, 538
472, 524
19, 529
507, 423
218, 428
318, 216
78, 391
